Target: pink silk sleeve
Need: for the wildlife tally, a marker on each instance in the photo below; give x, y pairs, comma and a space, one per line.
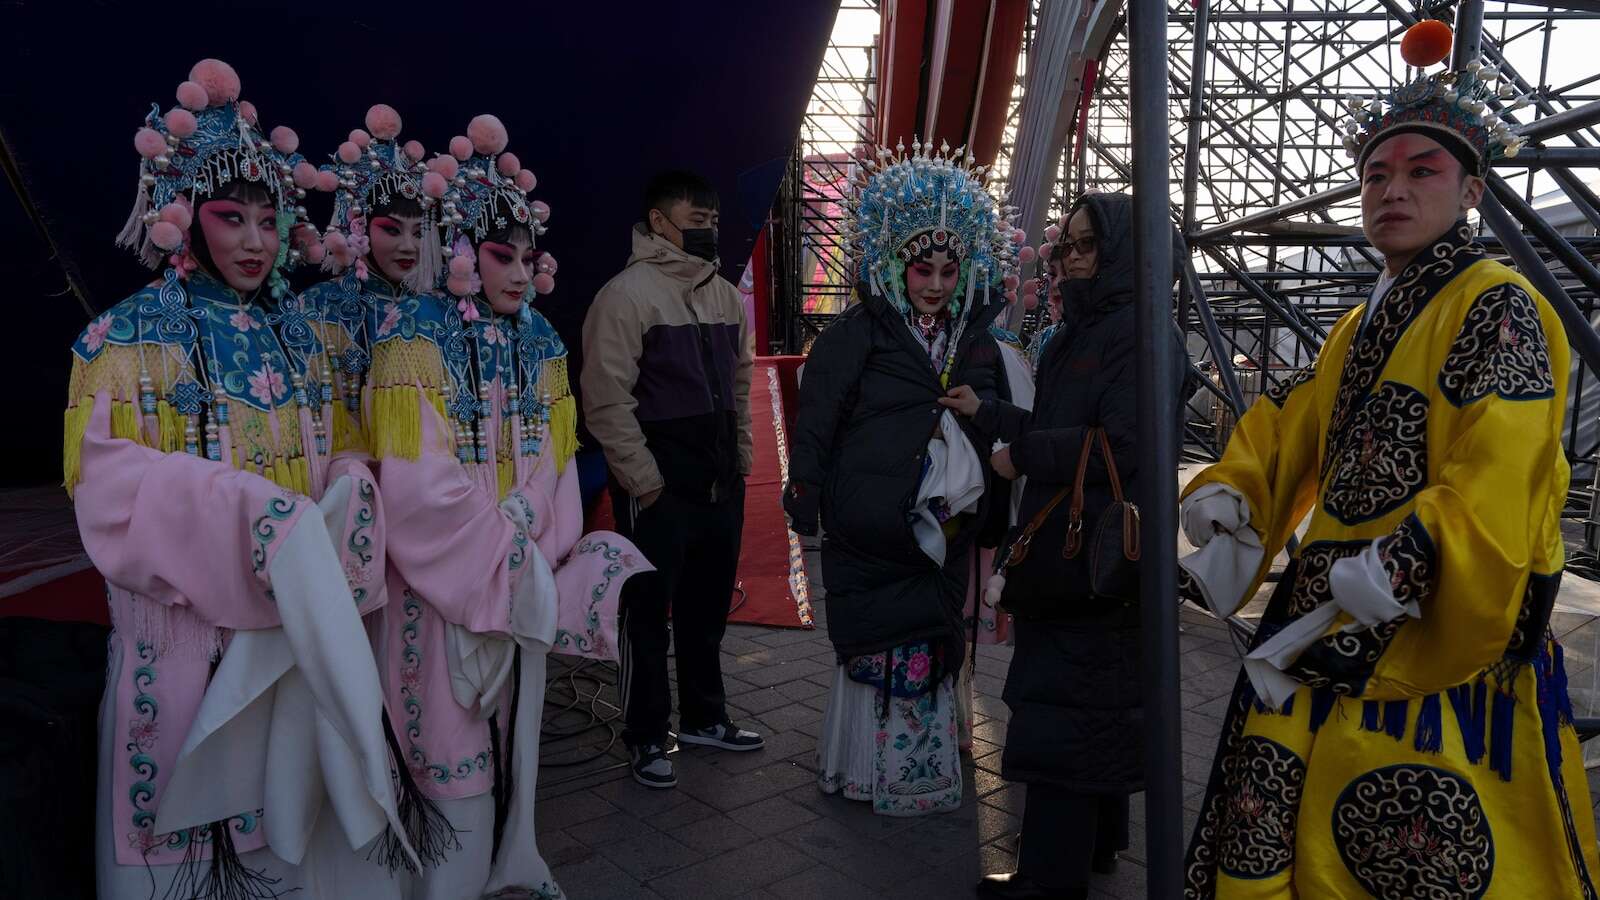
448, 537
181, 530
359, 538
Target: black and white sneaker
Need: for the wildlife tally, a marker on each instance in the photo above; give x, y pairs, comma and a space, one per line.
651, 767
723, 736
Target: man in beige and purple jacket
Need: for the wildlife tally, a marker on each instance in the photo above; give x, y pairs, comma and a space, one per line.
666, 392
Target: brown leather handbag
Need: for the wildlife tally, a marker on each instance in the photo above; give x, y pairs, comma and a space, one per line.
1084, 576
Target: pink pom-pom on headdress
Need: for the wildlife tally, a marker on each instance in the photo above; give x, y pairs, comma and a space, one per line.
180, 122
488, 134
540, 210
1052, 232
1030, 301
305, 237
349, 152
547, 263
220, 81
508, 165
1019, 236
414, 150
360, 138
526, 181
460, 148
315, 254
1030, 287
247, 110
461, 266
149, 143
383, 121
434, 185
446, 166
284, 140
334, 242
178, 215
327, 182
166, 235
192, 96
305, 176
544, 283
1025, 255
1011, 282
459, 285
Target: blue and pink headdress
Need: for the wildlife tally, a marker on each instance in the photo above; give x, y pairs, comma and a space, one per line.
367, 171
211, 138
906, 204
487, 190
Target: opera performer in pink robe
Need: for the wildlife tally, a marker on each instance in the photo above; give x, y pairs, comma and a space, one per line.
474, 427
238, 557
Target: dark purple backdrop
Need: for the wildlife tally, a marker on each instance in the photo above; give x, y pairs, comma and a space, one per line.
596, 96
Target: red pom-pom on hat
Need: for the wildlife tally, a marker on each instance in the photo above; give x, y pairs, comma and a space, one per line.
305, 176
526, 181
220, 81
360, 138
192, 96
180, 122
166, 235
349, 152
447, 166
434, 185
508, 165
149, 143
544, 283
1426, 43
488, 134
460, 148
414, 150
327, 182
383, 121
177, 214
284, 140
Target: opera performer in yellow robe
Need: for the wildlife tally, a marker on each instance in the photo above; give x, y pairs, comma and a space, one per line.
1402, 727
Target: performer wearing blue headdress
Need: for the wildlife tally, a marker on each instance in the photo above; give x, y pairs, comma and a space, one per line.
899, 485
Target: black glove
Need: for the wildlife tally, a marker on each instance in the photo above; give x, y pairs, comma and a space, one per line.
801, 504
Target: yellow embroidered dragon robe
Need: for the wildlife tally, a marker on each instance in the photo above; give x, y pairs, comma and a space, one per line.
1431, 757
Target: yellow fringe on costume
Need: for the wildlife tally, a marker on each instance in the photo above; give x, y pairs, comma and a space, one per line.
348, 434
114, 372
397, 420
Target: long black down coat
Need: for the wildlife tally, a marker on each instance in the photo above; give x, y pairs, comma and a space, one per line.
868, 407
1073, 688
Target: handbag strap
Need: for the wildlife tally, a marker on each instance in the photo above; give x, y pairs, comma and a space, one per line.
1111, 464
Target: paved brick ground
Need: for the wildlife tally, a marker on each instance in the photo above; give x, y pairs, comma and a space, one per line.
754, 825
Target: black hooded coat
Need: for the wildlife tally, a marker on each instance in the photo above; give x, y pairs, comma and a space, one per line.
869, 403
1074, 683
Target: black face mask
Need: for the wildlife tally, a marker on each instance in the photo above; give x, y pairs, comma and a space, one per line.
701, 242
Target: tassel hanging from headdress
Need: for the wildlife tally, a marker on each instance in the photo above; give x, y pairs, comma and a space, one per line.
133, 231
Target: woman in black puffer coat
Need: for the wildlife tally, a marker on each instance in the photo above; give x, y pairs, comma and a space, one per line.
871, 440
1076, 732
